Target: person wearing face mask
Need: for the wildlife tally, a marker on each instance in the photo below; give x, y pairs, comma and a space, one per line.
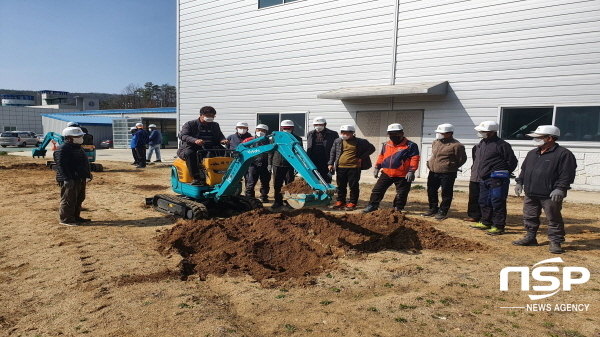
348, 156
546, 174
398, 161
318, 146
241, 134
283, 172
72, 174
258, 170
199, 134
496, 162
447, 156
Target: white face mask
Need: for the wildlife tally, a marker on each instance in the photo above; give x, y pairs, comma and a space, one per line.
241, 131
78, 140
209, 119
319, 128
439, 136
482, 135
345, 137
538, 142
288, 131
260, 134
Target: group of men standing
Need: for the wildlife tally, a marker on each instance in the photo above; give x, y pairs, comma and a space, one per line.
140, 139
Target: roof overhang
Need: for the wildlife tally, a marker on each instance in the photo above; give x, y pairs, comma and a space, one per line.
432, 89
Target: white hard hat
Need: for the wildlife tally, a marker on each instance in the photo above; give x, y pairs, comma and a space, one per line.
72, 131
152, 125
545, 130
443, 128
347, 128
263, 126
287, 122
72, 124
487, 126
319, 120
396, 127
241, 125
133, 128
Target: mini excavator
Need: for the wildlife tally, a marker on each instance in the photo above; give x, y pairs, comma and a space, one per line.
90, 151
224, 176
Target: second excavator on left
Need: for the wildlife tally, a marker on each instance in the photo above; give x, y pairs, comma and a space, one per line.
224, 175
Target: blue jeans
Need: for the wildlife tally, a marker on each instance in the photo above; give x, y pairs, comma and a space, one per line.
152, 148
492, 201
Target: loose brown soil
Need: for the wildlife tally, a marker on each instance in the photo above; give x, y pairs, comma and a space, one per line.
295, 247
381, 274
298, 186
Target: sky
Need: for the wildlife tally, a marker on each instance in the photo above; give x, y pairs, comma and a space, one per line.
86, 45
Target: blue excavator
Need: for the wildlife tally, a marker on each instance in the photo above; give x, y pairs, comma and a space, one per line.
224, 175
90, 151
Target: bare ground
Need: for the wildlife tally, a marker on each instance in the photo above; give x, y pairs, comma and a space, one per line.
108, 278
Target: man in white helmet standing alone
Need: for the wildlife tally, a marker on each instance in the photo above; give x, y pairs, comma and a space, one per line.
154, 141
497, 161
546, 174
72, 174
318, 146
283, 172
447, 156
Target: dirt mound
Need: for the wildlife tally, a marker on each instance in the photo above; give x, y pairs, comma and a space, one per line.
294, 247
26, 166
151, 187
298, 186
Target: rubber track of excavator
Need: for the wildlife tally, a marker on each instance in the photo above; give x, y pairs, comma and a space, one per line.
241, 203
199, 211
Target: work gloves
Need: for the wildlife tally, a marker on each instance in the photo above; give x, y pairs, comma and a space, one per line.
558, 195
376, 173
91, 177
410, 177
69, 183
519, 189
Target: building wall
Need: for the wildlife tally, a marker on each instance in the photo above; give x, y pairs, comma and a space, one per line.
24, 118
496, 54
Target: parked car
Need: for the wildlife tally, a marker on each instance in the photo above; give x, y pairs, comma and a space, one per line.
18, 138
106, 144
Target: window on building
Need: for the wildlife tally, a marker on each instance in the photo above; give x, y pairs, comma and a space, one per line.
273, 120
267, 3
10, 128
576, 123
515, 123
580, 123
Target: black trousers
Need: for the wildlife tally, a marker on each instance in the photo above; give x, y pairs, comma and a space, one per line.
348, 177
141, 156
282, 175
381, 186
254, 175
446, 182
532, 209
71, 200
321, 164
473, 209
492, 201
135, 156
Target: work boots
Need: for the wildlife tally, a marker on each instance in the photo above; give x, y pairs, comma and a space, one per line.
526, 241
431, 212
555, 248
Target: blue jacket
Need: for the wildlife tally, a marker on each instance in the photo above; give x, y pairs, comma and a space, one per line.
134, 140
155, 138
142, 138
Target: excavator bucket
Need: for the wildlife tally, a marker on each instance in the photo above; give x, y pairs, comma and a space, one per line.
38, 153
306, 200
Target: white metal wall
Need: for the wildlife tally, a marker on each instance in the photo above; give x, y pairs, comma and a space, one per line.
276, 59
24, 118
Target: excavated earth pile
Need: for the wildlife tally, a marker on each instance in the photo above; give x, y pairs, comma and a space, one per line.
298, 186
294, 247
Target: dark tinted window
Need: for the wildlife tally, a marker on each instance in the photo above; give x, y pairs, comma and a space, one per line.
579, 123
517, 122
8, 134
267, 3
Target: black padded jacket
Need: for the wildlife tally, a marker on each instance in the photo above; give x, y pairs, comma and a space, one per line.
71, 162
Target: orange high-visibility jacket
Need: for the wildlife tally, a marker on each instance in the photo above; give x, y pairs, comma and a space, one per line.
398, 160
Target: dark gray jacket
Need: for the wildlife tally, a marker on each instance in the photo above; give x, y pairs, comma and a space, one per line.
235, 139
494, 155
363, 150
328, 139
71, 162
542, 173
